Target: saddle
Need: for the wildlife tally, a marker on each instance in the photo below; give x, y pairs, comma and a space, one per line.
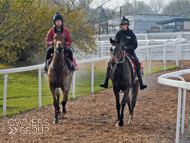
131, 61
68, 61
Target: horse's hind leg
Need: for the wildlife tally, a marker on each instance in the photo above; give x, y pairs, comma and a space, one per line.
55, 103
134, 92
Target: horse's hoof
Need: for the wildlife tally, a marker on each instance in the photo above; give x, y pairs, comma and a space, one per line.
64, 111
63, 114
56, 122
130, 119
117, 123
121, 123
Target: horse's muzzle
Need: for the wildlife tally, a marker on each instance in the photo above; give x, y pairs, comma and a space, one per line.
59, 49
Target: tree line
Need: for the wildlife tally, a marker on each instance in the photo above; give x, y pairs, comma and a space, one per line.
24, 25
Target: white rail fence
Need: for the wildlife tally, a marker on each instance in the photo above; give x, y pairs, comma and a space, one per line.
163, 79
103, 45
38, 67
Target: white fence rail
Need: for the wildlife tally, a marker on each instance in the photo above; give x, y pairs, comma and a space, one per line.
103, 45
39, 67
22, 69
163, 79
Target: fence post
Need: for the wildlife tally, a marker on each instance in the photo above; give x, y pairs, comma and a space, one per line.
177, 55
92, 78
164, 58
102, 49
183, 111
180, 49
147, 51
5, 95
74, 85
150, 60
39, 86
178, 115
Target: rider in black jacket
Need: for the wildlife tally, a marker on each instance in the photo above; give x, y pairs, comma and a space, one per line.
129, 40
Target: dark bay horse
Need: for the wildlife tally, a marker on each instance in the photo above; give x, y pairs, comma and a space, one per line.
121, 77
59, 75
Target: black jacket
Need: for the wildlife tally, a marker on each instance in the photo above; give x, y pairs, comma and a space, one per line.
128, 39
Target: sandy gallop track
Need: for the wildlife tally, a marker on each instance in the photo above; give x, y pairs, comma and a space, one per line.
92, 119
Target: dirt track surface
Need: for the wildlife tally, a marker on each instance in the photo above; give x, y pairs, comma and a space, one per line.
93, 118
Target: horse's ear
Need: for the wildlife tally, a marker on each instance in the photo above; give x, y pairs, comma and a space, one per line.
54, 29
111, 41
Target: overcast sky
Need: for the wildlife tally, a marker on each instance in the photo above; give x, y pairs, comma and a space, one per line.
116, 3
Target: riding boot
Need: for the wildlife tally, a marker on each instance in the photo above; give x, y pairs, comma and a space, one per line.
105, 84
72, 63
142, 86
45, 69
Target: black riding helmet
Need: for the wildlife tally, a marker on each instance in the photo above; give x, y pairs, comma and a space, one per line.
56, 17
124, 21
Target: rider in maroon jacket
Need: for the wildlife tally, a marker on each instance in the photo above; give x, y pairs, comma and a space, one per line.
58, 23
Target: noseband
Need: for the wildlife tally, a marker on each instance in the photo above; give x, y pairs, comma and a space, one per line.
59, 49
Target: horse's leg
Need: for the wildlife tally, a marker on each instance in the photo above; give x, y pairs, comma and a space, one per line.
117, 106
55, 103
58, 95
125, 99
64, 101
134, 92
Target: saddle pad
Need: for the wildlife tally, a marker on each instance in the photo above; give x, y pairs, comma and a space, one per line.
133, 67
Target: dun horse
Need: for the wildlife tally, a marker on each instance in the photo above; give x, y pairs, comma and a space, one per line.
59, 75
121, 76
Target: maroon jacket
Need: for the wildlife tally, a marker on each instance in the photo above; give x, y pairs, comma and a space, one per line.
67, 37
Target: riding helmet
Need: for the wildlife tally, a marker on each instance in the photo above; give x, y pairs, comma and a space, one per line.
124, 21
56, 17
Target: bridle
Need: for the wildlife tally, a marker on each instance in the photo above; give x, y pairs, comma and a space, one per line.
119, 62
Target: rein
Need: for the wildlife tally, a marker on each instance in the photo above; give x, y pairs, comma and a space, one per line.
120, 62
59, 50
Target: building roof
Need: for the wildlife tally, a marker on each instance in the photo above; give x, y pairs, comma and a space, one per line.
172, 20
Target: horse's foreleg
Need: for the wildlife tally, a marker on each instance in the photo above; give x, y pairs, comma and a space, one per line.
58, 95
134, 92
117, 106
55, 103
123, 103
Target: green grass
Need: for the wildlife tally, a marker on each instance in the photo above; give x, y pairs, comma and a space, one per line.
22, 88
158, 69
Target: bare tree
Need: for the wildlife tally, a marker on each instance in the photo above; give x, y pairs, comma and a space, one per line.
156, 5
177, 8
